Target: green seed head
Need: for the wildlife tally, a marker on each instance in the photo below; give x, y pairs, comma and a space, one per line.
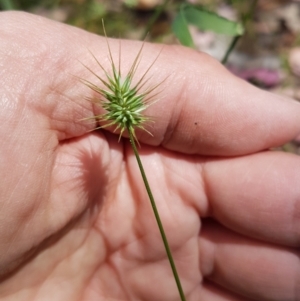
123, 101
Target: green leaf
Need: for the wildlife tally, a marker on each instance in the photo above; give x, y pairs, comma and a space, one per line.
131, 3
181, 30
95, 11
7, 5
206, 20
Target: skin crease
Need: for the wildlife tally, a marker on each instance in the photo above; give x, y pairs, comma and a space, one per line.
75, 221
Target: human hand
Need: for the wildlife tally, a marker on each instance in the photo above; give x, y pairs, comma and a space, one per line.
75, 220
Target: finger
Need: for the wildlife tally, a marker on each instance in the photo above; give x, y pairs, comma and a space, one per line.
38, 85
202, 108
212, 292
250, 268
257, 195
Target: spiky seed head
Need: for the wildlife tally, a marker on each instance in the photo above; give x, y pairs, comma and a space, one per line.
123, 102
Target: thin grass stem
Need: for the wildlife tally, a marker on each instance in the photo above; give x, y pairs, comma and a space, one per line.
154, 17
245, 18
155, 211
230, 48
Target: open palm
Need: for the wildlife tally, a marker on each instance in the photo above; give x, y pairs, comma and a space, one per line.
75, 219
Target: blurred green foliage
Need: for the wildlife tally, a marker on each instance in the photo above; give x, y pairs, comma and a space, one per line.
203, 20
121, 16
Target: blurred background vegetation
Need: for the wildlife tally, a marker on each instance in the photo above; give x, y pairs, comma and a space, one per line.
129, 18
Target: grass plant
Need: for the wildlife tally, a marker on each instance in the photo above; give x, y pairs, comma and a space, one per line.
124, 104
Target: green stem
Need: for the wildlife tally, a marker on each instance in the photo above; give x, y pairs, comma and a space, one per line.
157, 217
153, 19
230, 48
234, 41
